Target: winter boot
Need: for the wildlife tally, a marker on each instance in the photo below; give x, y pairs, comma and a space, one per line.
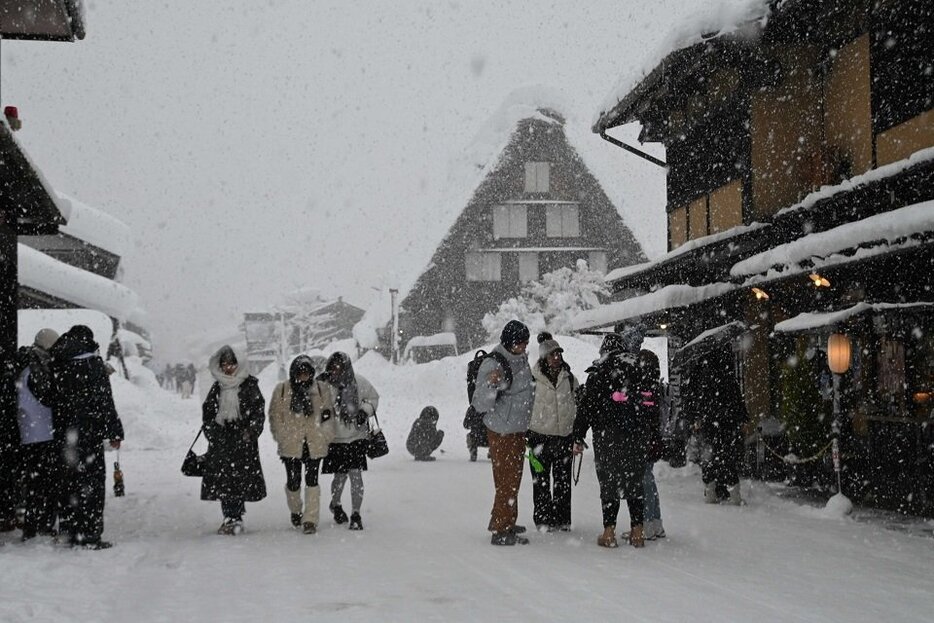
637, 536
508, 538
355, 522
608, 538
309, 528
734, 498
654, 530
312, 506
340, 516
294, 501
710, 493
227, 528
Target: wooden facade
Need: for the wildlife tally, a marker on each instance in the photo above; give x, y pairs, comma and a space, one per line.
810, 123
538, 209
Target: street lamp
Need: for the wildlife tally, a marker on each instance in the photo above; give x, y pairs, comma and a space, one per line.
839, 353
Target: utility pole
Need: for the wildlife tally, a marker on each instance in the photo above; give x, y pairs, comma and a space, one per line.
394, 343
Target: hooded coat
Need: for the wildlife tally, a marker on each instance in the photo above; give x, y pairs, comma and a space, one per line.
424, 436
506, 407
83, 404
292, 430
611, 407
232, 469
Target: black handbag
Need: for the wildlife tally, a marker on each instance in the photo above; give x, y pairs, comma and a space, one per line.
376, 445
193, 465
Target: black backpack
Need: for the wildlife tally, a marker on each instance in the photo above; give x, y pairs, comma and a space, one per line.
473, 419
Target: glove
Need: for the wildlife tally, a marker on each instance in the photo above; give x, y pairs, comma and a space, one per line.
362, 417
325, 415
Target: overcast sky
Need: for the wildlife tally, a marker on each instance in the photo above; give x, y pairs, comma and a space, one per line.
257, 147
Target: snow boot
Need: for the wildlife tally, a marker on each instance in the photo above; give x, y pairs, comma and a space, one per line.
231, 527
654, 530
294, 501
355, 522
93, 545
735, 498
637, 536
340, 516
508, 538
608, 538
309, 528
710, 493
312, 506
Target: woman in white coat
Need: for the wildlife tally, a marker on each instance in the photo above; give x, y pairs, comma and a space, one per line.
303, 427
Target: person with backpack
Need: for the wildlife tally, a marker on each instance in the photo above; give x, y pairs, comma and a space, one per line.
424, 436
504, 394
303, 428
550, 436
610, 406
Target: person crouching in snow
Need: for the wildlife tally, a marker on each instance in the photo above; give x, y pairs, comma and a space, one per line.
302, 428
550, 437
233, 415
424, 437
353, 401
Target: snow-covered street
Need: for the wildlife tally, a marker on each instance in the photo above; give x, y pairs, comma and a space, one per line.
425, 555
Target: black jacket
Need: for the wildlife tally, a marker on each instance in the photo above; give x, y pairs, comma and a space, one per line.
621, 426
39, 363
83, 401
232, 468
424, 437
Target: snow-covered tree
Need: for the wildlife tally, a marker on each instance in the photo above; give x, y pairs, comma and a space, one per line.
551, 303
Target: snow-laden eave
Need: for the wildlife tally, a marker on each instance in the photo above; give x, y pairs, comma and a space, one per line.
736, 325
714, 19
46, 274
668, 298
873, 175
46, 188
692, 245
894, 229
810, 321
95, 227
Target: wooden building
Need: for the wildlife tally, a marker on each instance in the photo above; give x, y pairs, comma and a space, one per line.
800, 155
537, 208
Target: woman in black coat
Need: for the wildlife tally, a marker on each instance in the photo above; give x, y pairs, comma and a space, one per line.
609, 404
233, 415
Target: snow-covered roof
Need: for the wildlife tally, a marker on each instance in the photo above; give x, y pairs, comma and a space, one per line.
713, 19
810, 320
736, 325
85, 289
691, 245
94, 226
54, 210
478, 160
438, 339
675, 295
891, 229
874, 175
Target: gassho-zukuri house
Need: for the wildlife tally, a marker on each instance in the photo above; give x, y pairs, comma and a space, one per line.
799, 142
528, 203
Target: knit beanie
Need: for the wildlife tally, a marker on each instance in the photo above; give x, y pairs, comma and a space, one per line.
547, 347
514, 333
45, 338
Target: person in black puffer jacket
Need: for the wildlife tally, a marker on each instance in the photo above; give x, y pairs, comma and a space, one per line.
424, 437
84, 416
621, 433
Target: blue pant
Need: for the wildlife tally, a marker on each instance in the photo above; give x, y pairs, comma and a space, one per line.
652, 508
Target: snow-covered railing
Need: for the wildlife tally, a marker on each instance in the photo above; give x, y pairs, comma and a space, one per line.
438, 339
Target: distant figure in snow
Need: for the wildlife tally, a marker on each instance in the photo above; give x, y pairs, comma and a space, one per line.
233, 415
424, 437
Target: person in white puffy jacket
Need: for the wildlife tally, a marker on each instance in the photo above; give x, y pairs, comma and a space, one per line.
303, 427
550, 437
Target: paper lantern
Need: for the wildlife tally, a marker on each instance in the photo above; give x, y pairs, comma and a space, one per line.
838, 353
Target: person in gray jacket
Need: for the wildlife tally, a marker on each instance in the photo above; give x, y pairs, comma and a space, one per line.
504, 395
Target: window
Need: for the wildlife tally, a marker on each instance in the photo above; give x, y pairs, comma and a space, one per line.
562, 221
528, 267
597, 261
510, 221
484, 266
537, 176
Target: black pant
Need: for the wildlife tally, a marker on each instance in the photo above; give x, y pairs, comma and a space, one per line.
10, 480
611, 510
552, 505
293, 470
233, 509
41, 475
726, 453
83, 485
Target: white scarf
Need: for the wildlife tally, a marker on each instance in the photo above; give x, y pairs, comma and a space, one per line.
228, 407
